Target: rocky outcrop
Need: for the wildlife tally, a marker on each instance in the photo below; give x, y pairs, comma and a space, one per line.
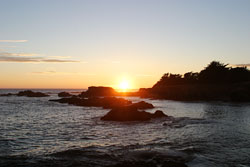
216, 82
98, 91
158, 114
105, 102
102, 91
64, 94
131, 113
7, 94
29, 93
142, 105
122, 109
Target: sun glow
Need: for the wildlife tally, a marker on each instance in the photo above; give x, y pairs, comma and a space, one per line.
124, 85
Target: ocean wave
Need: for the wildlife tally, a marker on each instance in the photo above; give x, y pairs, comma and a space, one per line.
184, 121
123, 156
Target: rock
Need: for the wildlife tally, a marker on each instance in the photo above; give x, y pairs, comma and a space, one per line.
7, 94
105, 102
112, 102
240, 95
98, 91
122, 109
130, 113
143, 105
158, 114
72, 100
64, 94
30, 93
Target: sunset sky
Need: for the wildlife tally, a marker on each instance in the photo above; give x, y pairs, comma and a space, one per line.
81, 43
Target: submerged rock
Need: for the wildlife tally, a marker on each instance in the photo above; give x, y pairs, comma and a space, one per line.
30, 93
131, 113
64, 94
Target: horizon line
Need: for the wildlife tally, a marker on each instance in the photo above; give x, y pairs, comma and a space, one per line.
68, 88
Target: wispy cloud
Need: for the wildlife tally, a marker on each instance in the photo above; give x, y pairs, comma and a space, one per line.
30, 58
14, 41
17, 54
58, 61
44, 72
242, 65
60, 73
60, 57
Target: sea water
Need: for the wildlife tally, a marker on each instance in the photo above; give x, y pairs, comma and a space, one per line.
37, 132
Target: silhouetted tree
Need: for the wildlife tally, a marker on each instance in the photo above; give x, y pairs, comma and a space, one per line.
215, 72
191, 77
239, 74
214, 82
170, 79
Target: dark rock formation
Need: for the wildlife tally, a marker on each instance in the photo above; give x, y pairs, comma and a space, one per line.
64, 94
69, 100
98, 91
112, 102
105, 102
216, 82
201, 92
7, 94
30, 93
158, 114
142, 105
130, 113
94, 91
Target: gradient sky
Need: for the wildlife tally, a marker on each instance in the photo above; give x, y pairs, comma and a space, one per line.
79, 43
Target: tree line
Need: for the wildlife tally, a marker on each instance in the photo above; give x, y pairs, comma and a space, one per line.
214, 73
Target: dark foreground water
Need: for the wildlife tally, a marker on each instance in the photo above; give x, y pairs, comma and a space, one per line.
36, 132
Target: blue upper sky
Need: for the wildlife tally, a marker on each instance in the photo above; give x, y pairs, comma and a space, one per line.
140, 39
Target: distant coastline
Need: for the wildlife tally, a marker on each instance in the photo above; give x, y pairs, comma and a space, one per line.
216, 82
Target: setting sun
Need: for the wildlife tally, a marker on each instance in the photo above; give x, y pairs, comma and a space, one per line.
124, 85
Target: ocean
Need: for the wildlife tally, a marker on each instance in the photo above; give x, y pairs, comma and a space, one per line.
36, 132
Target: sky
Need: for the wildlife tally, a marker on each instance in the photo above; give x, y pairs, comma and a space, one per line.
81, 43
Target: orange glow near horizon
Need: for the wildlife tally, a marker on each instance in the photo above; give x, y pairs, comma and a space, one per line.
124, 85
